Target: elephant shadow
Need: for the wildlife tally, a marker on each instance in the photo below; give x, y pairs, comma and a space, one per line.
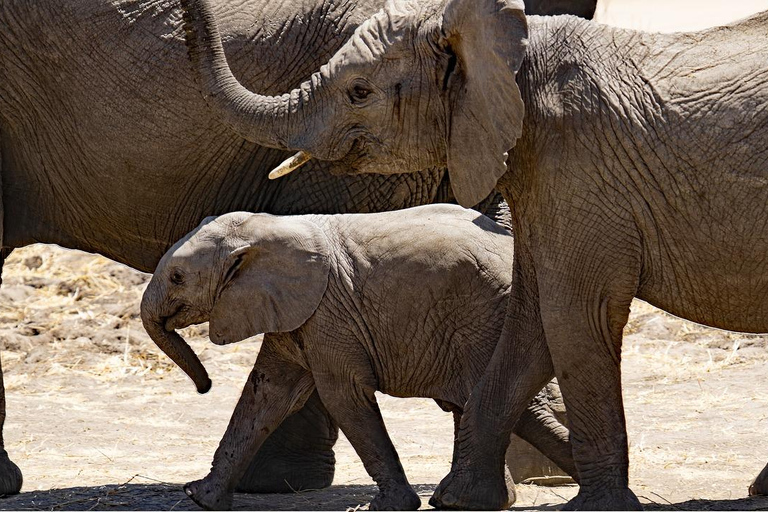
746, 503
164, 496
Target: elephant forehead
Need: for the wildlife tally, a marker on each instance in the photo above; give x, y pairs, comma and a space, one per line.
376, 37
198, 248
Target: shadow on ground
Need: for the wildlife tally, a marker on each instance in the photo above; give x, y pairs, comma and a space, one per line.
163, 496
748, 503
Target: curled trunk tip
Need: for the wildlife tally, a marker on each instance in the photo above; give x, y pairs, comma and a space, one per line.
179, 351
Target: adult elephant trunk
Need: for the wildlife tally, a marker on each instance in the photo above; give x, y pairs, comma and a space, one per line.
173, 345
274, 121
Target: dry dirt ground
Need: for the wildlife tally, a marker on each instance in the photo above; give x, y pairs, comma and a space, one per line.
99, 419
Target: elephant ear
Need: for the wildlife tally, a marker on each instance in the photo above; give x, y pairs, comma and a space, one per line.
272, 284
484, 106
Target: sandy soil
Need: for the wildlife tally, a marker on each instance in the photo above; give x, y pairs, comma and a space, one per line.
674, 16
99, 419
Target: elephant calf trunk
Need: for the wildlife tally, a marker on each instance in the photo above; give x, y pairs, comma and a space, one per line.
178, 350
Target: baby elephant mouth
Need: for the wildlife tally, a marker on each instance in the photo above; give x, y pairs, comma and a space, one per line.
175, 323
184, 317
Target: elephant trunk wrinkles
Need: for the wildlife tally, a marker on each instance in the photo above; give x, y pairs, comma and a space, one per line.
174, 346
273, 121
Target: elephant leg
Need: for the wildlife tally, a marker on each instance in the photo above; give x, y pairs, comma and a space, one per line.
542, 429
352, 402
275, 388
509, 481
760, 486
10, 474
297, 456
518, 370
585, 304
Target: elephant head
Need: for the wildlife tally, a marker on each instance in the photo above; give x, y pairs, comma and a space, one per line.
243, 273
419, 84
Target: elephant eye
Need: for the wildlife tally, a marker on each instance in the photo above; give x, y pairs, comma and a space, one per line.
359, 92
177, 277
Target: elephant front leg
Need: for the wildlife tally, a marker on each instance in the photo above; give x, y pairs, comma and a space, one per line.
10, 474
585, 304
275, 389
519, 368
297, 456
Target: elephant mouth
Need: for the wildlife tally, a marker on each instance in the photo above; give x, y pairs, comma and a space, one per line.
368, 155
358, 158
173, 323
181, 319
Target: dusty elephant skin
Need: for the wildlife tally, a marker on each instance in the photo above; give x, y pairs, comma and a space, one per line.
107, 146
410, 303
637, 169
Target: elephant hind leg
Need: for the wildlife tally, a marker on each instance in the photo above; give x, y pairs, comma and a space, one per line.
352, 402
543, 448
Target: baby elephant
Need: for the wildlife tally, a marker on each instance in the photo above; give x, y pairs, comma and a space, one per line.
410, 303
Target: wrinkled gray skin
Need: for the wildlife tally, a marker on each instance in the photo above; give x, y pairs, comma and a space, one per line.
106, 146
410, 303
638, 169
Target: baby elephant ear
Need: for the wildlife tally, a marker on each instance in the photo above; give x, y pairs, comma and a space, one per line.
272, 284
484, 107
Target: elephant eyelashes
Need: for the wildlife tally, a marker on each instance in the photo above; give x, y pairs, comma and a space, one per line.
177, 277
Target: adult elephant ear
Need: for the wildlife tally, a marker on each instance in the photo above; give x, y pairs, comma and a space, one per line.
274, 282
485, 110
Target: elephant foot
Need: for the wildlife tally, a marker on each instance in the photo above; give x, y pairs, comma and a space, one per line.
208, 495
605, 499
401, 497
760, 486
466, 490
10, 476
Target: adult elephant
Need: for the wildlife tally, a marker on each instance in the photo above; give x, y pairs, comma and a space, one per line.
107, 146
638, 169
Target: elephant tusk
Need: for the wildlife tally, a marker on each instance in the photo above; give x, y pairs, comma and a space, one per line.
290, 165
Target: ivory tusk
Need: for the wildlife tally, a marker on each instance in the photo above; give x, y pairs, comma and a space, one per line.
290, 165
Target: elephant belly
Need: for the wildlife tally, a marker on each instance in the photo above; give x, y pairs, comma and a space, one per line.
720, 285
